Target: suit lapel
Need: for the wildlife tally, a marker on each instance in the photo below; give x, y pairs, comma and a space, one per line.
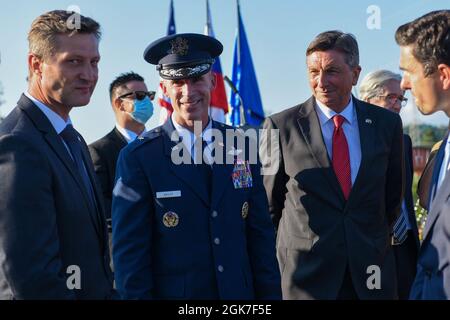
367, 143
441, 194
185, 172
311, 131
43, 124
118, 138
99, 211
441, 197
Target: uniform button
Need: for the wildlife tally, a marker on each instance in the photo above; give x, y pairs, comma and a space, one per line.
214, 214
217, 241
220, 268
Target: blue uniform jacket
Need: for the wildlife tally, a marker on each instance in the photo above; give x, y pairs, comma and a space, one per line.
170, 242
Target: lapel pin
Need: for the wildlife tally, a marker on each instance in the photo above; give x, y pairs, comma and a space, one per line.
369, 121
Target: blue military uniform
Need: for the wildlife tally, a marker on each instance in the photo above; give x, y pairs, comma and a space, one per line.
185, 231
170, 242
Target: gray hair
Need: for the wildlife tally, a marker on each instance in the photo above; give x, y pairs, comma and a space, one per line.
373, 83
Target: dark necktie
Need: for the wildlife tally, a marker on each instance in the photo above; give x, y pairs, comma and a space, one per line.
70, 137
341, 158
204, 169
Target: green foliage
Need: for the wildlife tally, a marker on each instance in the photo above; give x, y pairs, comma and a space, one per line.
421, 213
425, 135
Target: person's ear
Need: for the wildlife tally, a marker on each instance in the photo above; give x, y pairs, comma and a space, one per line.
444, 75
356, 71
164, 87
213, 80
118, 104
35, 65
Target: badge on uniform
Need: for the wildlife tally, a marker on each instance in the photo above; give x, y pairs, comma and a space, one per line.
244, 210
242, 175
170, 219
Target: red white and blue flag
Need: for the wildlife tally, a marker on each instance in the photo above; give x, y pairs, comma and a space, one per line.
219, 103
163, 100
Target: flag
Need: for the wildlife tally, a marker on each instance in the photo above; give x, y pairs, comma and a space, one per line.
163, 100
218, 104
244, 79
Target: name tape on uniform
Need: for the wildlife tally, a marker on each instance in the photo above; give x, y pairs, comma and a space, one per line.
168, 194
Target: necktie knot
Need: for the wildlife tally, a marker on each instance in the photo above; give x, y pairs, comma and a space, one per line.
69, 134
338, 121
199, 153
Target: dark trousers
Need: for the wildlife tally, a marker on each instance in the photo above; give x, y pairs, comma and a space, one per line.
347, 291
406, 264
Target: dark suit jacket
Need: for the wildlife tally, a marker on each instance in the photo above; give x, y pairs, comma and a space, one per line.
433, 268
406, 253
220, 246
319, 233
104, 153
46, 221
423, 186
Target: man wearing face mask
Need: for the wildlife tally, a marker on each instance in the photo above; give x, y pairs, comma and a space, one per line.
132, 106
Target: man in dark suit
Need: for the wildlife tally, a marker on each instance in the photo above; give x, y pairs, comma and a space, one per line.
53, 242
425, 61
382, 88
133, 107
339, 185
184, 230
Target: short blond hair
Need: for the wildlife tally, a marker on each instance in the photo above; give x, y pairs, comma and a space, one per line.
45, 28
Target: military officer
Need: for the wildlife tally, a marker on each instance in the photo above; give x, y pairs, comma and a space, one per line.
188, 223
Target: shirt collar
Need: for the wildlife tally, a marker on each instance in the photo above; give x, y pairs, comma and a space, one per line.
55, 119
128, 134
326, 114
188, 136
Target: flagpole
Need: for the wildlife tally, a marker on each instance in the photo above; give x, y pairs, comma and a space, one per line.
238, 42
238, 37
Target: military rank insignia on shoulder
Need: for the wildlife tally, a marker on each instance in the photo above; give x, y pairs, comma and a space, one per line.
146, 137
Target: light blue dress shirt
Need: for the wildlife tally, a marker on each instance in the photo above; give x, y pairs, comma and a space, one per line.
129, 135
351, 131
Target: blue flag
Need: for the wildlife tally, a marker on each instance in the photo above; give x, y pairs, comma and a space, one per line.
244, 79
171, 27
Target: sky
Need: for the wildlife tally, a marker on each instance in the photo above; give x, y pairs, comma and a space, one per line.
278, 32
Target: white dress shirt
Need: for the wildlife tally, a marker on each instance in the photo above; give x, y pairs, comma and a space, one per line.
55, 119
351, 131
129, 135
188, 139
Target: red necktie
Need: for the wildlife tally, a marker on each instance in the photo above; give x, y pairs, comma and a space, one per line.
341, 157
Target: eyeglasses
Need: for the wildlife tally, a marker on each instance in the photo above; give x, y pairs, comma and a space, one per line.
393, 98
139, 95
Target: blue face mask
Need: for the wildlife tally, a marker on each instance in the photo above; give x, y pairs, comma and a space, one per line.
143, 110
